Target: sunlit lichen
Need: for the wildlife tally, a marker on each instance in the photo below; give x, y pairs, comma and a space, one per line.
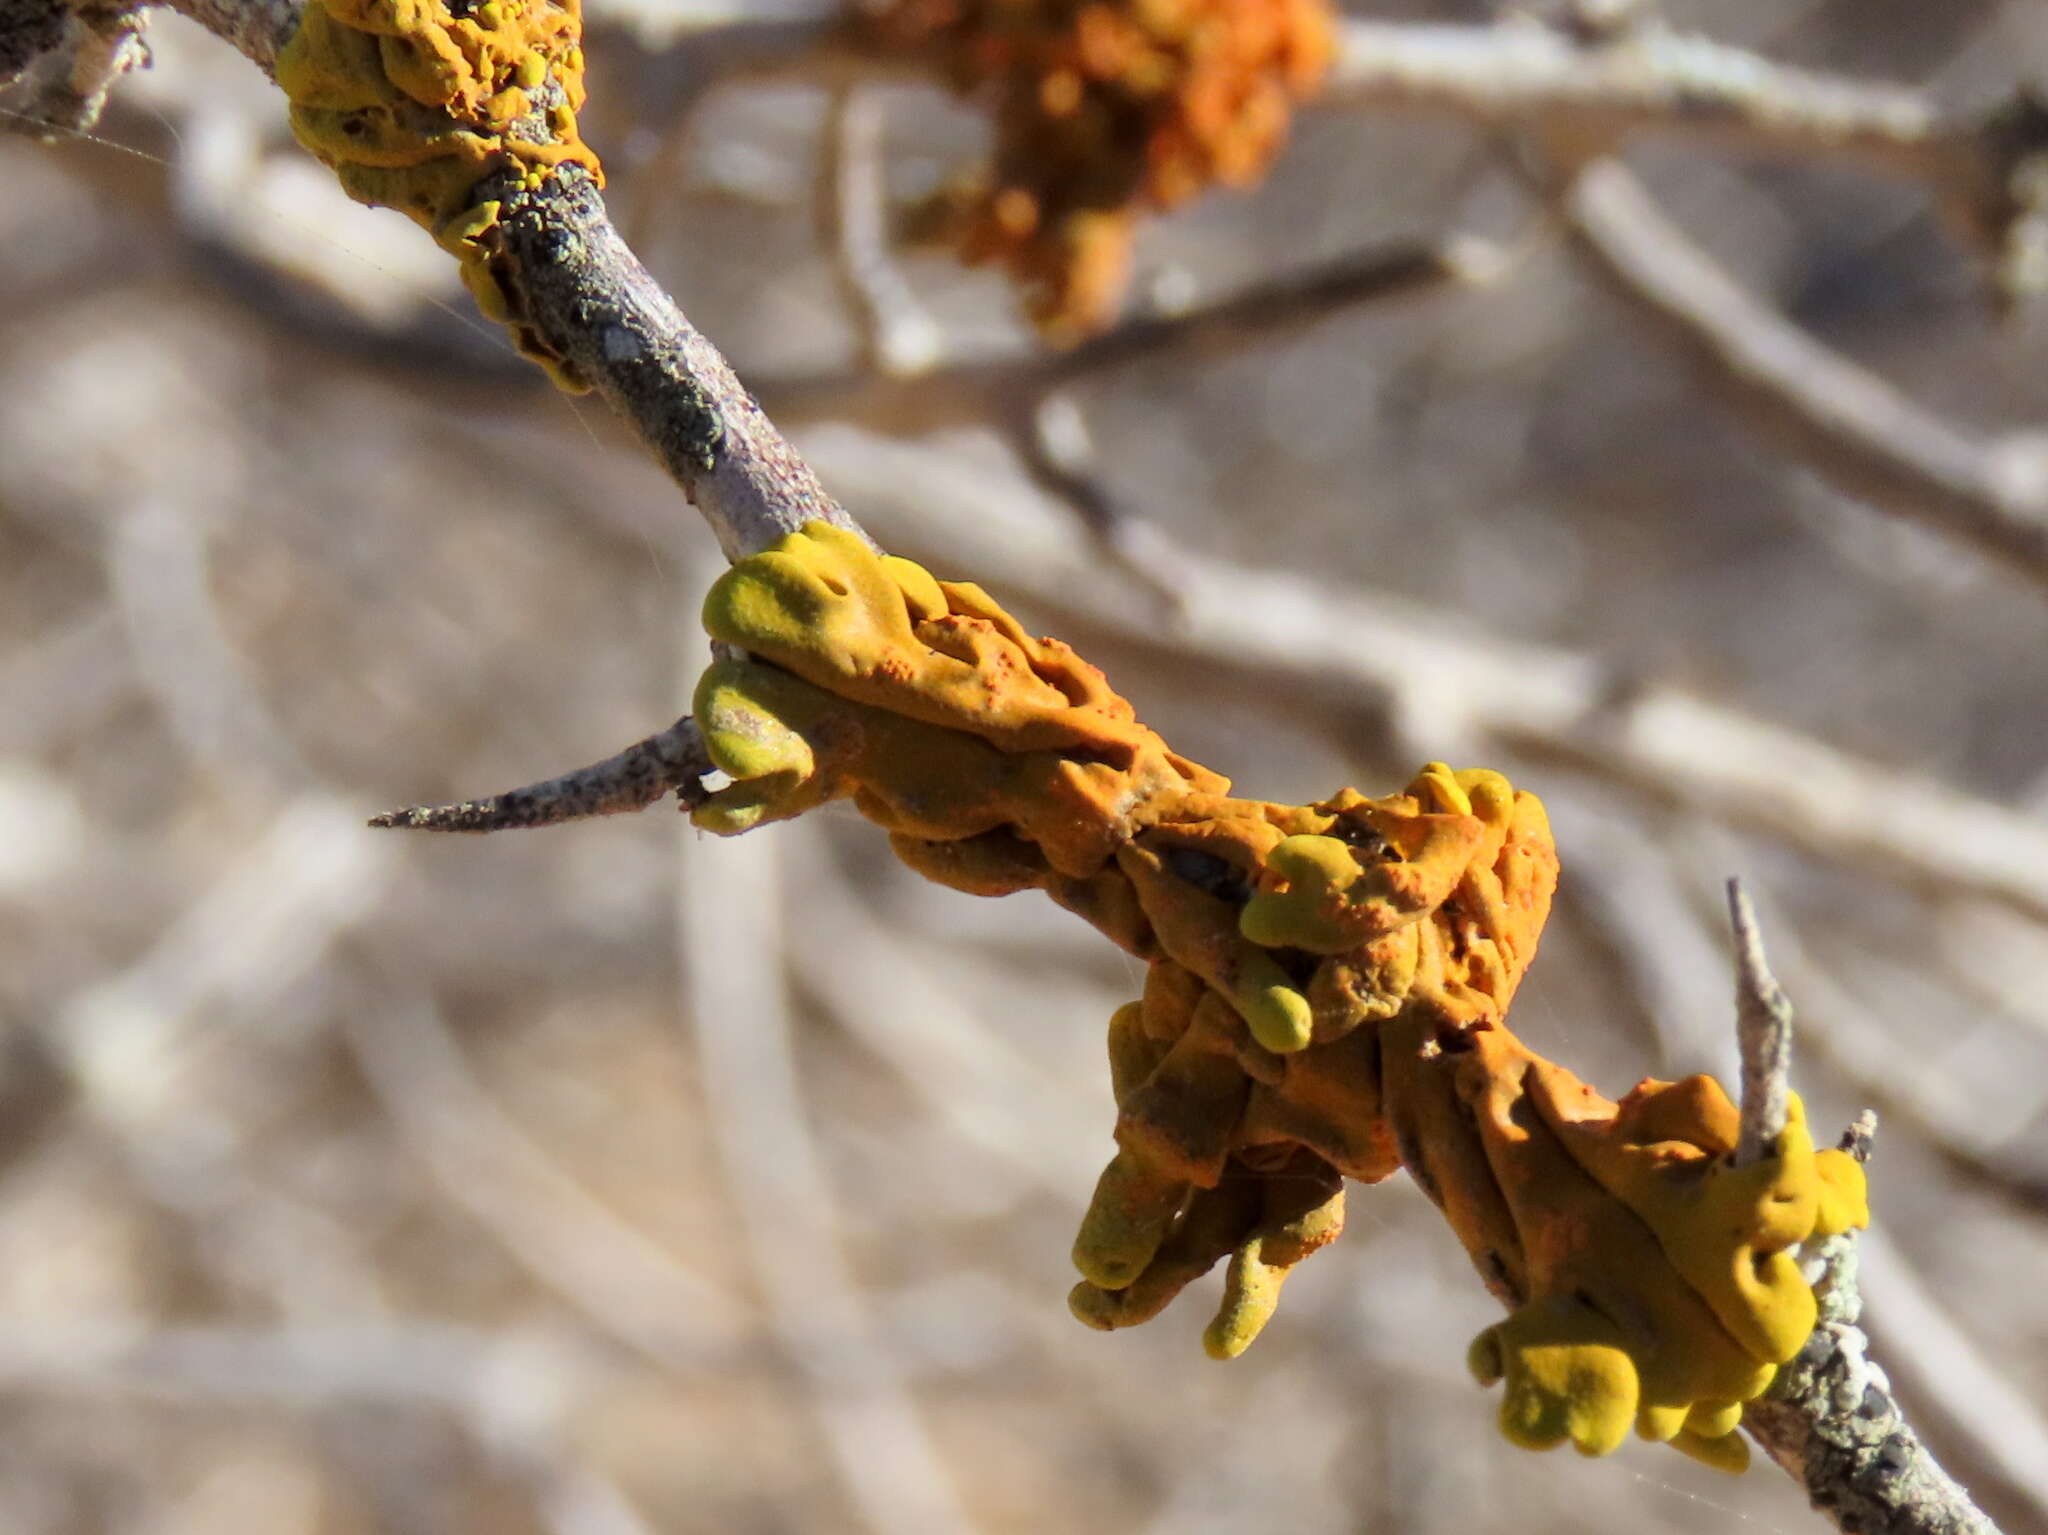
1105, 110
415, 103
1326, 998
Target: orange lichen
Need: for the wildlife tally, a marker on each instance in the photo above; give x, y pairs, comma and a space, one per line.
1326, 998
1105, 109
415, 103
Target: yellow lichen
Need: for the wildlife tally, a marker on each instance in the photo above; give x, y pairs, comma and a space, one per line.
414, 103
1326, 998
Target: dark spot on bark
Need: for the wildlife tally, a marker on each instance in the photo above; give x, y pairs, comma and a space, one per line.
1875, 1403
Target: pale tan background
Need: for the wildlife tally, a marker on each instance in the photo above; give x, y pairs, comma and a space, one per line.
352, 1182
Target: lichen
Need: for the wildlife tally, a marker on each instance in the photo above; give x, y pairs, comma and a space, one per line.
1105, 110
415, 104
1326, 998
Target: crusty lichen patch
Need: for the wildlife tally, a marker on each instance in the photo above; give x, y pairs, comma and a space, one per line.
1326, 999
1106, 110
414, 103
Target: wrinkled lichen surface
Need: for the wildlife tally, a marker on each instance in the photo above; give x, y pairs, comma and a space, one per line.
415, 103
1326, 999
1105, 110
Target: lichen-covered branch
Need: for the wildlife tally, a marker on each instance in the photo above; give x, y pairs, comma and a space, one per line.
1327, 983
1326, 999
1831, 1421
507, 186
72, 52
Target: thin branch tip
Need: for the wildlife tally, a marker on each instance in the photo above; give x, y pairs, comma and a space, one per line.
672, 761
1763, 1032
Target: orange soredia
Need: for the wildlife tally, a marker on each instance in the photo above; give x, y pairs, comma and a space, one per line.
1107, 109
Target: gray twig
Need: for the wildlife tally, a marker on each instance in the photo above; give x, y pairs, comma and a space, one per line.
1831, 1421
1763, 1033
586, 295
671, 761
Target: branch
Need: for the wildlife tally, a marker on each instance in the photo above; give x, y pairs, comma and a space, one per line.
1830, 1419
1844, 421
1763, 1032
595, 305
72, 65
671, 761
898, 337
1264, 311
1583, 95
1337, 654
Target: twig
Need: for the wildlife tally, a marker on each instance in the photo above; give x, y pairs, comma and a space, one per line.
1841, 419
1264, 311
587, 295
1831, 1421
1644, 75
1999, 1425
1058, 451
671, 761
1583, 94
1763, 1033
898, 337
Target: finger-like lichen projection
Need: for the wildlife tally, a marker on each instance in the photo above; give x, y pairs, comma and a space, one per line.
1105, 109
416, 103
1326, 999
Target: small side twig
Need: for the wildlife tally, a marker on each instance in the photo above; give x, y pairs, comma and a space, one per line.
1763, 1031
671, 761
